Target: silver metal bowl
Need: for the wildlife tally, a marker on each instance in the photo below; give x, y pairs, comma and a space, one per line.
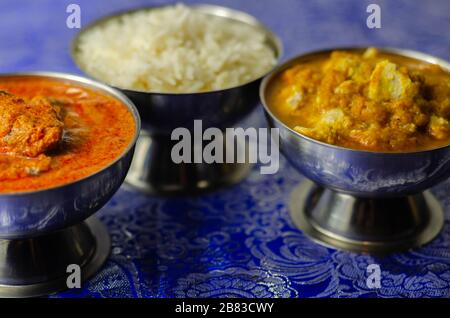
364, 190
43, 231
152, 169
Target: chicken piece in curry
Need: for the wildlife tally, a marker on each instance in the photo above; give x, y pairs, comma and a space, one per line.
28, 127
365, 100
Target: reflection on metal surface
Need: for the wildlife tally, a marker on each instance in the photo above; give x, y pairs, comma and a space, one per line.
37, 266
365, 224
153, 171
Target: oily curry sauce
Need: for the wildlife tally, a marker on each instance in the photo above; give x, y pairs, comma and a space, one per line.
365, 100
54, 132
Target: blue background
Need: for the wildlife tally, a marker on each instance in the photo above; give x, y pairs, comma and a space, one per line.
240, 241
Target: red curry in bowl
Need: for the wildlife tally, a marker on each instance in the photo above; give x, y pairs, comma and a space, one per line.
54, 132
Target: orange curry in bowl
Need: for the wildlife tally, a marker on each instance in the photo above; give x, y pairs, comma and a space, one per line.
365, 100
53, 132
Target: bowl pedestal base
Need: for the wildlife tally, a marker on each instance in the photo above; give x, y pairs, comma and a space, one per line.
367, 225
39, 266
153, 171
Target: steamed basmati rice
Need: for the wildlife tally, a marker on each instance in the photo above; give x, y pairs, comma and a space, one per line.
174, 49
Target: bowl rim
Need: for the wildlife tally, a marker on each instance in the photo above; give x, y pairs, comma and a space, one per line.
208, 9
420, 56
92, 84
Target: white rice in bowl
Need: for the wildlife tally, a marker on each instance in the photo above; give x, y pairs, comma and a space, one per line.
174, 49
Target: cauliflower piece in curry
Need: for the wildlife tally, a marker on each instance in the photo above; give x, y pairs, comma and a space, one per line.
387, 82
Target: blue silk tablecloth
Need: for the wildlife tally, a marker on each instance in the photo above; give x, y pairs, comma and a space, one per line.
240, 241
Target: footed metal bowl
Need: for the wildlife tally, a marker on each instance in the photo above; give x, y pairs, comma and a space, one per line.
363, 200
43, 231
152, 169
